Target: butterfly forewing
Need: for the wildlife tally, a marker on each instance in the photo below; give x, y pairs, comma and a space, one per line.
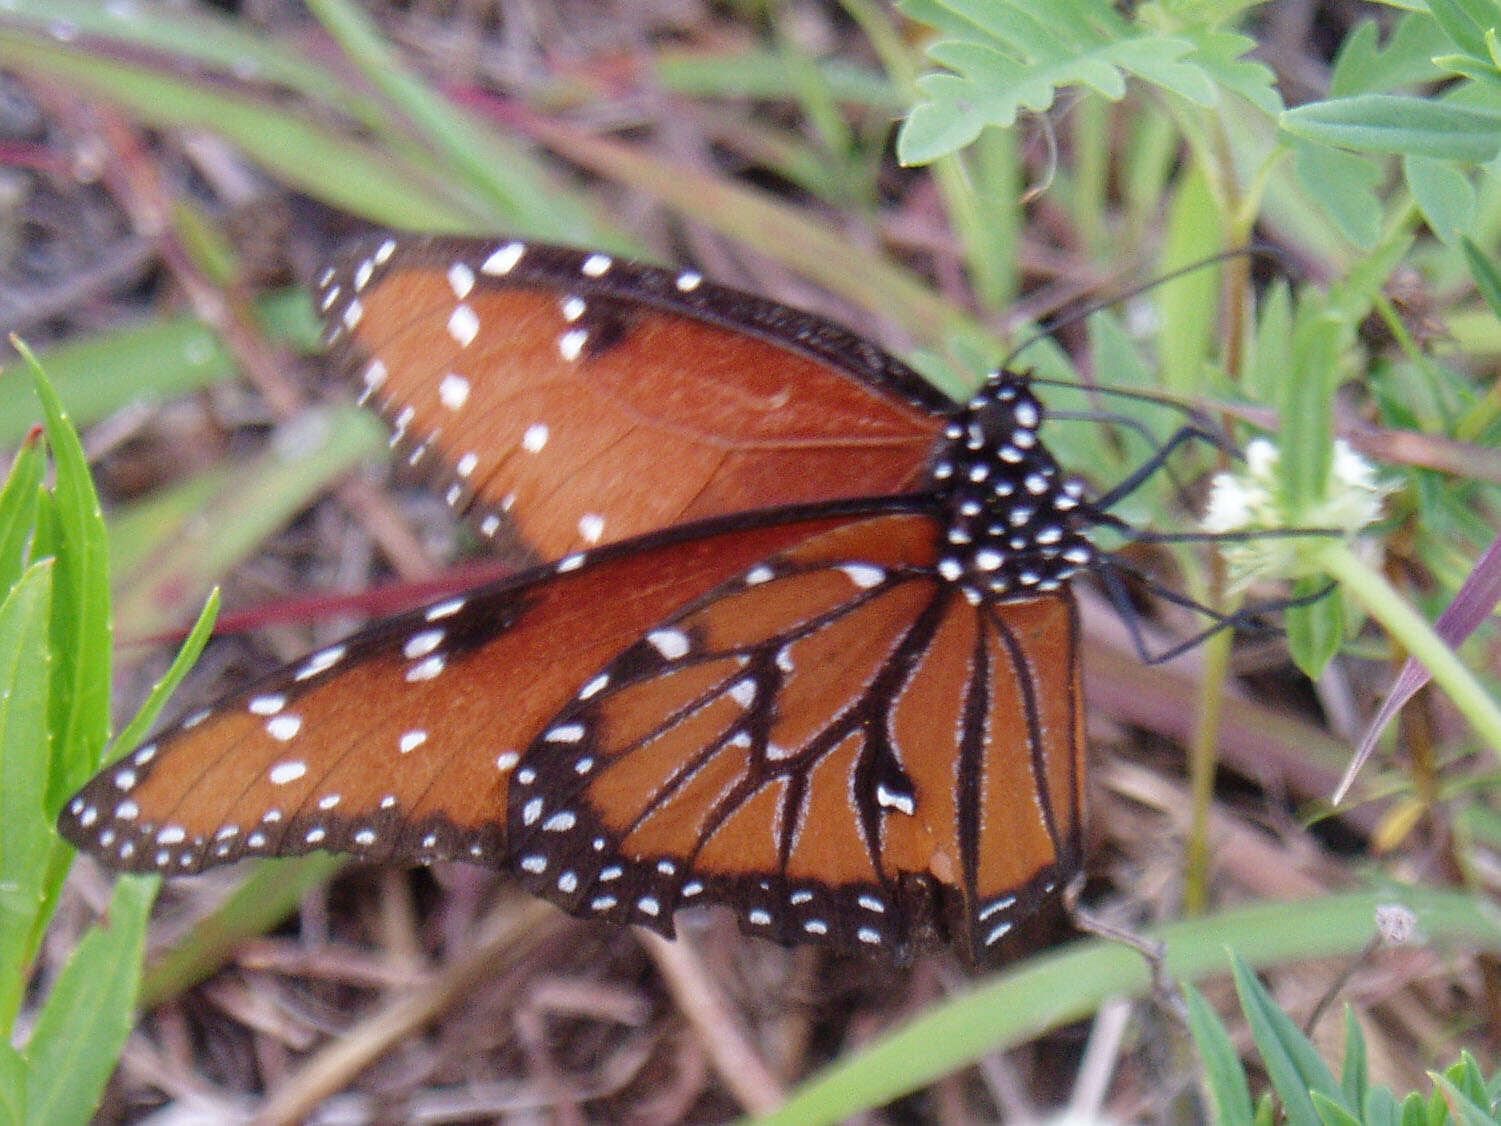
551, 384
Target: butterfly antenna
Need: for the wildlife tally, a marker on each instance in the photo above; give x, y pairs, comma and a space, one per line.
1074, 316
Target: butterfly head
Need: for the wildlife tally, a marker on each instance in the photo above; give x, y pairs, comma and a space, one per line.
1015, 517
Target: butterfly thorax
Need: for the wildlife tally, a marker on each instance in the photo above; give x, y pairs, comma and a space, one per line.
1012, 514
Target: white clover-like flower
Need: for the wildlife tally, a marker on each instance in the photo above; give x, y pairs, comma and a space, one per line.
1247, 501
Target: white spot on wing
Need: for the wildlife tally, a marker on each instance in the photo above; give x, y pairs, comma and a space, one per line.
461, 278
463, 325
453, 391
504, 260
289, 771
535, 437
671, 643
571, 343
283, 727
595, 265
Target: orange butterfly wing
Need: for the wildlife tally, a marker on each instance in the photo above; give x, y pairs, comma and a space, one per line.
552, 385
836, 743
399, 743
798, 719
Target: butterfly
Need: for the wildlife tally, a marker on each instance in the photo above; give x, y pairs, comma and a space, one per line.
799, 640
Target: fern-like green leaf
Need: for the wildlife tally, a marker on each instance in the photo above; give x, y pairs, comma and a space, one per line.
1001, 57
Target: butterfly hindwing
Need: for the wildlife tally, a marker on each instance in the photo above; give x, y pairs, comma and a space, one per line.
399, 743
833, 743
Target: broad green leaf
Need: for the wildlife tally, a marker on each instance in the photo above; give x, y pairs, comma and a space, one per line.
89, 1011
1223, 1073
1443, 193
1291, 1061
1344, 186
1307, 409
26, 844
12, 1085
1314, 632
1387, 123
1465, 24
1190, 304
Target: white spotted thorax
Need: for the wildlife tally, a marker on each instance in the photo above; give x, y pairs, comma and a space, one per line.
1013, 515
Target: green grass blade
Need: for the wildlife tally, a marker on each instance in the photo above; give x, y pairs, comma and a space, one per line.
81, 613
18, 504
323, 162
161, 691
27, 842
229, 49
1058, 988
155, 361
268, 895
511, 185
90, 1011
1222, 1067
1291, 1062
181, 559
813, 248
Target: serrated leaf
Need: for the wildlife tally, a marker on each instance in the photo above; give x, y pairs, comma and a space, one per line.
89, 1011
1389, 123
1364, 66
1007, 56
1443, 193
1225, 57
1223, 1073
